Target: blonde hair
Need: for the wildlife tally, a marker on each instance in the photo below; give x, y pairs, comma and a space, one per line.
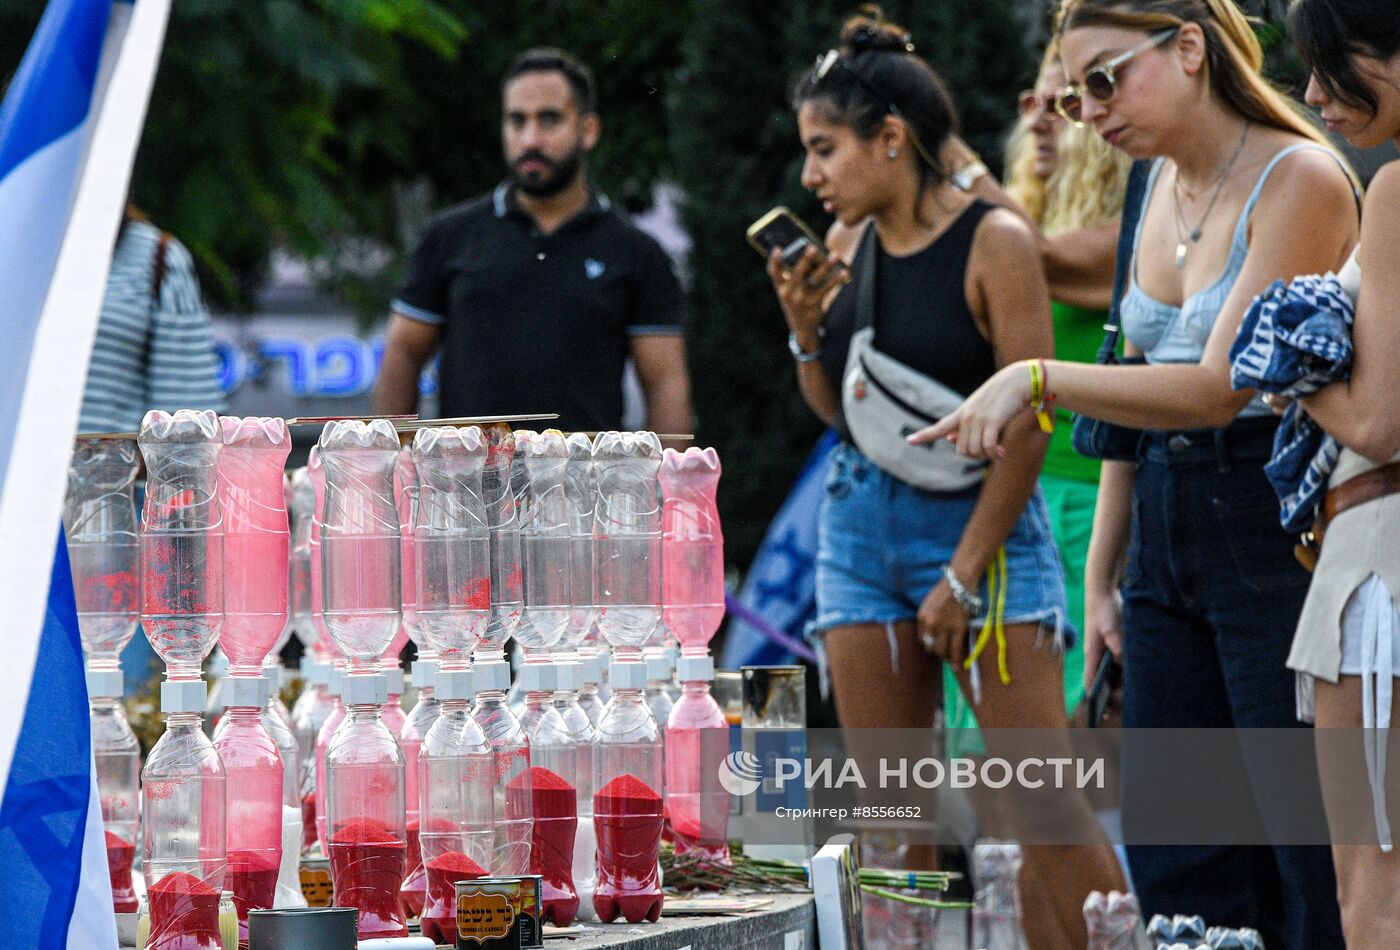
1086, 188
1234, 57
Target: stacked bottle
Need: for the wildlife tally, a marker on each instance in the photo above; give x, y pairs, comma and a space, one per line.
117, 758
183, 783
453, 571
697, 734
553, 779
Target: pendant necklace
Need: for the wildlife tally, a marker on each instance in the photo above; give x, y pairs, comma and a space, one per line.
1187, 236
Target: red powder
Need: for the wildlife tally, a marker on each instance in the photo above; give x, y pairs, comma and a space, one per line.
440, 913
252, 876
368, 861
184, 914
628, 819
555, 804
120, 854
415, 886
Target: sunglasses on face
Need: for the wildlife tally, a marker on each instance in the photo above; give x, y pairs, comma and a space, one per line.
1033, 104
1101, 82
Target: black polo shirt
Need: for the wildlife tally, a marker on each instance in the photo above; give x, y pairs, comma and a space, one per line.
533, 322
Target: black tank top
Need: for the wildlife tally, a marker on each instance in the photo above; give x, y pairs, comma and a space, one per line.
921, 314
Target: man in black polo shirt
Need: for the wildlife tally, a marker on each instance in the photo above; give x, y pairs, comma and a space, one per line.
537, 293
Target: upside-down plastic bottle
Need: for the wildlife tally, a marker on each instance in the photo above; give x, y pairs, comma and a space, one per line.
506, 591
692, 547
104, 547
117, 757
366, 841
183, 852
546, 543
627, 540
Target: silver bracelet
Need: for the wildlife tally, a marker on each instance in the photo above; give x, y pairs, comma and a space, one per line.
966, 599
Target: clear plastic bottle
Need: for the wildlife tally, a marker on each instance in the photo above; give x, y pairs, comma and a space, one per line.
360, 541
322, 647
697, 742
367, 841
510, 748
257, 539
392, 711
313, 707
582, 733
288, 876
323, 743
415, 729
627, 539
456, 769
590, 698
996, 912
1113, 921
658, 689
507, 582
546, 543
182, 840
103, 547
253, 798
301, 507
406, 500
554, 758
692, 562
580, 493
117, 757
628, 810
182, 590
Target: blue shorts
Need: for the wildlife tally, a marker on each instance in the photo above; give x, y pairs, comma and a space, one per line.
883, 544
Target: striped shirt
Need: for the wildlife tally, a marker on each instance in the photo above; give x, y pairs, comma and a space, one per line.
149, 354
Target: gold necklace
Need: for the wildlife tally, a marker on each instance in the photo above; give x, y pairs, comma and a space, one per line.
1186, 236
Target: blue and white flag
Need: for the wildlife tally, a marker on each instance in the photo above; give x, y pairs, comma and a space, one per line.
69, 126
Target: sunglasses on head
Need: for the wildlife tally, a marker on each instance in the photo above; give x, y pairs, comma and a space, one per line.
1101, 82
832, 58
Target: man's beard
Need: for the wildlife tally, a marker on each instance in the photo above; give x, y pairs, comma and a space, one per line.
557, 176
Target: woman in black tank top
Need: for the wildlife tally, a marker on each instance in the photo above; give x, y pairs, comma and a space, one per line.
960, 292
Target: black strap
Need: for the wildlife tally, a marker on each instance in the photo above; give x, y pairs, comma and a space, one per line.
1133, 200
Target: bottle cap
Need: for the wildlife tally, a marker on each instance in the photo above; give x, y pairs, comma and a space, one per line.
273, 672
245, 691
658, 667
690, 669
334, 681
182, 696
361, 688
454, 684
492, 674
394, 677
104, 684
591, 670
569, 673
539, 677
316, 672
627, 674
424, 673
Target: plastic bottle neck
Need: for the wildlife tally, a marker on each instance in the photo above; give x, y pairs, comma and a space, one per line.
105, 705
362, 712
696, 688
182, 721
243, 714
427, 694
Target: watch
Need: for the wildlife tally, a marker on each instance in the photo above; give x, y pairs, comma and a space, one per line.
964, 178
801, 355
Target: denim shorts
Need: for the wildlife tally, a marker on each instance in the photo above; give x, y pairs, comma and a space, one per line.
883, 544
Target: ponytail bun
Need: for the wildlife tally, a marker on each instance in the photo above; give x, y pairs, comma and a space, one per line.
869, 31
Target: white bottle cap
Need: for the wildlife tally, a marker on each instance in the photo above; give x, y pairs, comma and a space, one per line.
454, 684
690, 669
592, 670
361, 688
245, 691
394, 677
627, 674
273, 673
334, 681
316, 672
182, 696
104, 684
424, 673
570, 674
658, 667
492, 674
539, 677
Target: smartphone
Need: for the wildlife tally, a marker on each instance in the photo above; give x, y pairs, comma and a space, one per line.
1108, 680
784, 230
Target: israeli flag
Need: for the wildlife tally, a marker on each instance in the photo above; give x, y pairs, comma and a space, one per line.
69, 126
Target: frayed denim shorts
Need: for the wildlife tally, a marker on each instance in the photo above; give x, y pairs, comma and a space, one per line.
883, 544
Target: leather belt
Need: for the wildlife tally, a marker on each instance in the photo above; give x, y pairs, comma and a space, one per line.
1368, 486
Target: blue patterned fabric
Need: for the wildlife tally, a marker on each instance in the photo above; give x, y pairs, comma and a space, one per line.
1296, 339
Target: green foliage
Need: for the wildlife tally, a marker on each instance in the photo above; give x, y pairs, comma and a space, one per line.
737, 155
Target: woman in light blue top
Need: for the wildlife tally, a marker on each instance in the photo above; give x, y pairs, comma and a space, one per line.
1243, 191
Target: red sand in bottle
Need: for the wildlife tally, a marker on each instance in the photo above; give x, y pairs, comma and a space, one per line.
120, 854
184, 914
555, 804
627, 817
415, 885
368, 861
252, 876
440, 914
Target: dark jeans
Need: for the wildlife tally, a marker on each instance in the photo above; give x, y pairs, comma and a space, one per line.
1210, 602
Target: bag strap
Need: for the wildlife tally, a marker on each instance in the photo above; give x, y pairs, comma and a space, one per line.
866, 253
158, 271
1133, 200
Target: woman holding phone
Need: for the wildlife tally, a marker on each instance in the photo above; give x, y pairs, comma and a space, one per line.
1242, 190
909, 578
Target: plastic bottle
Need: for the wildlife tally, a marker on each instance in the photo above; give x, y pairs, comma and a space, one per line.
658, 688
456, 769
413, 892
580, 494
627, 540
697, 742
589, 692
323, 647
510, 749
628, 806
182, 841
103, 547
253, 797
554, 758
406, 501
692, 562
323, 744
996, 912
289, 875
546, 543
1112, 920
506, 592
301, 507
117, 757
360, 541
182, 591
257, 539
367, 843
392, 711
582, 735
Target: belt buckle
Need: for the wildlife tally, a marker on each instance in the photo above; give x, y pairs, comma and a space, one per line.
1178, 442
1307, 551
